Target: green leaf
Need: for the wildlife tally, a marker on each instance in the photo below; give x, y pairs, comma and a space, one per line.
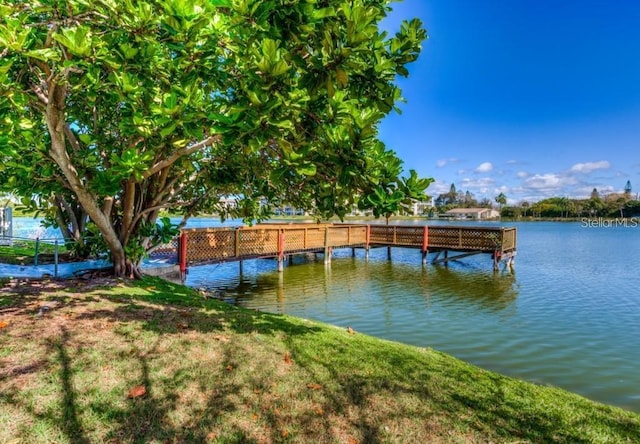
77, 40
307, 169
45, 54
279, 68
164, 132
322, 13
342, 77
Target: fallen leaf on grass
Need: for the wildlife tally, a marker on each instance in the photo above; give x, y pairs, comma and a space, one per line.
3, 324
229, 368
137, 392
313, 386
287, 359
352, 441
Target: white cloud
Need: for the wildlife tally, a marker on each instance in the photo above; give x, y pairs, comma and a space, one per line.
548, 182
480, 186
483, 182
484, 167
590, 166
438, 187
443, 162
522, 174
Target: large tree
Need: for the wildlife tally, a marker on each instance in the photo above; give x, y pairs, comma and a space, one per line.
116, 110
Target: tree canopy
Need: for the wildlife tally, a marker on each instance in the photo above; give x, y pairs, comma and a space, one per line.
112, 111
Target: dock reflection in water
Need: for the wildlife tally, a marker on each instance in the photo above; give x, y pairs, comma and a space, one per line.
398, 300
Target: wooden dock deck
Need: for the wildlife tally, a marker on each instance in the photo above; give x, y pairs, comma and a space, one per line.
197, 246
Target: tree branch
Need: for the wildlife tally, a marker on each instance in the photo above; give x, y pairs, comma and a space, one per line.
178, 154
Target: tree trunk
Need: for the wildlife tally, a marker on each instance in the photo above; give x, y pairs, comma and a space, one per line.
55, 116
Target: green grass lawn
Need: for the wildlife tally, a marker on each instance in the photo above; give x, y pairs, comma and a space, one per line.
149, 361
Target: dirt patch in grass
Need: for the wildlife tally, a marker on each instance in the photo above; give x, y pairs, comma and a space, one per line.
111, 360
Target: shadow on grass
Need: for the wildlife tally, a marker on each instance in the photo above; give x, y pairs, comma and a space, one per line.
352, 374
68, 419
160, 309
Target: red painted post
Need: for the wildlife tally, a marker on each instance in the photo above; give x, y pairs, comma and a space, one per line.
425, 244
425, 239
182, 253
368, 237
281, 249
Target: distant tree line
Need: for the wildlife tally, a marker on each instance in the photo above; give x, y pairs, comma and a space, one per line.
611, 205
623, 204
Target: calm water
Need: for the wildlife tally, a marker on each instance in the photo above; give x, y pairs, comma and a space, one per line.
569, 314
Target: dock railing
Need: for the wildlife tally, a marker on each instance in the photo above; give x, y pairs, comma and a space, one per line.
267, 240
211, 245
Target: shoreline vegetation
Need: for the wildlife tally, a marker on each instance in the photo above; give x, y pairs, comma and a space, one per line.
113, 360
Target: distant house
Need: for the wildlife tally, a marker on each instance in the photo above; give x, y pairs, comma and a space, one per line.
473, 213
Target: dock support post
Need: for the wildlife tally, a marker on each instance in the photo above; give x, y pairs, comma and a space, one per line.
496, 260
425, 244
281, 250
327, 248
240, 268
182, 255
367, 242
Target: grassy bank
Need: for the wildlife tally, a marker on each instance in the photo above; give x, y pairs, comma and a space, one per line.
119, 361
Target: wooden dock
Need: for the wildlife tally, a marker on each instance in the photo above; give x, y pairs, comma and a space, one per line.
198, 246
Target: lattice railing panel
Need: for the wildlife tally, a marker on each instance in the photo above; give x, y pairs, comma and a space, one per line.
210, 244
315, 237
443, 237
168, 249
358, 235
465, 238
410, 236
508, 239
381, 234
295, 239
258, 242
344, 236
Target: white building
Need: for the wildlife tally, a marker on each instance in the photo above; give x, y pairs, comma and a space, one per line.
474, 213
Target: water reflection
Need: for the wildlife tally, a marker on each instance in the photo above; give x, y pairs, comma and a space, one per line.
349, 282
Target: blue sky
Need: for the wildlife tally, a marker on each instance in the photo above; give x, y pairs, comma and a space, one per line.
530, 98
